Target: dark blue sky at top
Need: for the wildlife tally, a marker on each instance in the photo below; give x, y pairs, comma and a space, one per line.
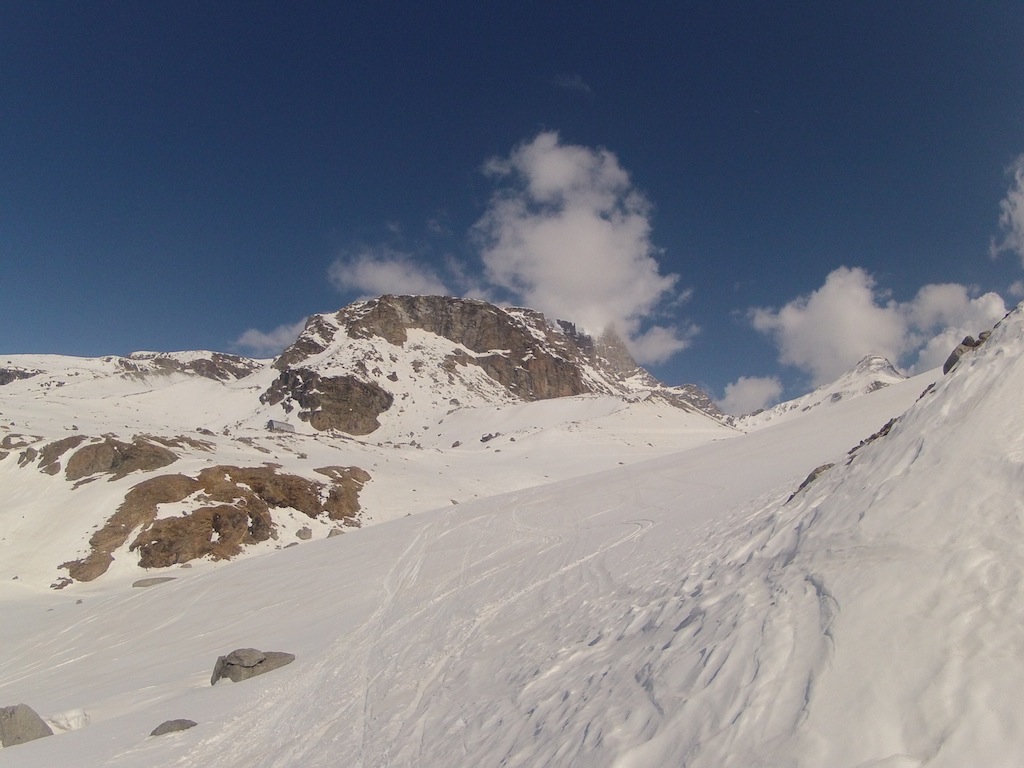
174, 173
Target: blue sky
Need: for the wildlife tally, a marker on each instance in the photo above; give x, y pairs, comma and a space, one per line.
756, 194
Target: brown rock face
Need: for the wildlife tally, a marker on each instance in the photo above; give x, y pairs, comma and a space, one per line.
476, 325
235, 511
117, 458
138, 508
312, 341
338, 402
529, 357
343, 499
49, 461
219, 531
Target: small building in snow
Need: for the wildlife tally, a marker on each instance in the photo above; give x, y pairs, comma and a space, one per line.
279, 426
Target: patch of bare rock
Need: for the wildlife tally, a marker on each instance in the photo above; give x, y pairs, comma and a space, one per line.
118, 459
9, 375
331, 402
234, 510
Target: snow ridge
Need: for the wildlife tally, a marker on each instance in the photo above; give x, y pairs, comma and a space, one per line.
869, 375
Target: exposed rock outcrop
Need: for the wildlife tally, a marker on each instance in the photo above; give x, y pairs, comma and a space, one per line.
243, 663
814, 475
318, 333
21, 723
7, 375
49, 456
518, 348
118, 459
344, 403
963, 348
233, 510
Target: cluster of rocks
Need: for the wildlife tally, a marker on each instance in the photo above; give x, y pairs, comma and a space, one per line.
20, 723
234, 511
963, 348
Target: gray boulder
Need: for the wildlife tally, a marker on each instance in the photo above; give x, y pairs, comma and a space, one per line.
963, 348
19, 724
170, 726
243, 663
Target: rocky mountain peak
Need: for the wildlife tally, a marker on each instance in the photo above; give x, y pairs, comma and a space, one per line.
876, 365
343, 370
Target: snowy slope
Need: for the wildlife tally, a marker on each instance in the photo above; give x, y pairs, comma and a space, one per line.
428, 454
675, 611
869, 375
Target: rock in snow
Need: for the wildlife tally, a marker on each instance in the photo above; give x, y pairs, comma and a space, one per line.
172, 726
243, 663
19, 724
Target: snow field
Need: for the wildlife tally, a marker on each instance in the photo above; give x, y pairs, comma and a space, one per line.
671, 611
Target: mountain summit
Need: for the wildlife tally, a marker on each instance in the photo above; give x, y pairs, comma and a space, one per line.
347, 370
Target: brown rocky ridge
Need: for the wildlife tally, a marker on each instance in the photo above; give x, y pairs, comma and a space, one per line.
233, 510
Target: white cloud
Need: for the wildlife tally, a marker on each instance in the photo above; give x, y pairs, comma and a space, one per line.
1011, 216
268, 344
658, 343
1016, 289
567, 233
376, 272
827, 331
572, 82
750, 393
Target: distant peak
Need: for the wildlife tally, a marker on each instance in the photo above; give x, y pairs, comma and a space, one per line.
876, 363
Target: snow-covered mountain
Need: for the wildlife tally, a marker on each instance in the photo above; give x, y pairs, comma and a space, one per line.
363, 367
157, 460
869, 375
684, 608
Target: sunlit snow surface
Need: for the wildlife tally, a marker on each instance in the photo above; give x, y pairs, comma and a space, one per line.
671, 612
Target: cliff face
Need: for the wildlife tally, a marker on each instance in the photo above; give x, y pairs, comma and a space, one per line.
337, 372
